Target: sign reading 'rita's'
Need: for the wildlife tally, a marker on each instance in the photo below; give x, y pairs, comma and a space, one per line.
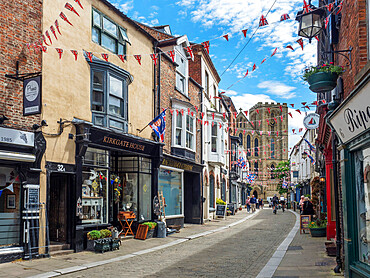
353, 117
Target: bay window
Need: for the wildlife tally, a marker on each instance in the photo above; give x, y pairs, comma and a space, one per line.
184, 131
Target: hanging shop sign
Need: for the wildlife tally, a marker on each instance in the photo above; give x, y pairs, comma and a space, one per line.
16, 137
311, 121
177, 164
353, 117
32, 96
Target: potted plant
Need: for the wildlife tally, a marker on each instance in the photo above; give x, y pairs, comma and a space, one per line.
220, 201
228, 212
317, 228
91, 237
151, 228
115, 242
322, 78
104, 243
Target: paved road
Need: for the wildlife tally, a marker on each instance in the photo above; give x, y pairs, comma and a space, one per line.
241, 251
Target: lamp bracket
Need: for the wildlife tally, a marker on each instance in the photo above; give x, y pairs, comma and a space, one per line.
21, 76
340, 52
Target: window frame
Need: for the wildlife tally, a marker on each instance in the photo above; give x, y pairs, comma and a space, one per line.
256, 147
213, 136
206, 83
105, 116
184, 130
118, 39
183, 75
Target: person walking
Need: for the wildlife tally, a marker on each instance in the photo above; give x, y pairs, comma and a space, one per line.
248, 203
307, 207
275, 202
301, 204
260, 203
253, 203
282, 202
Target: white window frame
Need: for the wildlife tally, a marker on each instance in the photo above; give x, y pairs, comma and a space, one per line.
185, 74
182, 191
213, 136
183, 128
192, 133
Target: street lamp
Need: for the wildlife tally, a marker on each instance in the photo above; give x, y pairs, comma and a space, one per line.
310, 23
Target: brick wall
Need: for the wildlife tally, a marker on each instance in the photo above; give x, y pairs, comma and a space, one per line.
20, 23
353, 33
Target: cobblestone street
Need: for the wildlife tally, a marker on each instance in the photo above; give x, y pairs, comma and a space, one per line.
241, 251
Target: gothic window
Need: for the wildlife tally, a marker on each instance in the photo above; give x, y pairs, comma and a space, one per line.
256, 147
248, 145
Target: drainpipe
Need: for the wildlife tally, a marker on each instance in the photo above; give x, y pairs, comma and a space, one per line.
338, 268
201, 158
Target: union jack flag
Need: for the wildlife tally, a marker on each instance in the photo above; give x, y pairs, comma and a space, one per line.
306, 7
158, 124
263, 21
284, 17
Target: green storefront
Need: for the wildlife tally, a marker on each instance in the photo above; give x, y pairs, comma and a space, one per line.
351, 122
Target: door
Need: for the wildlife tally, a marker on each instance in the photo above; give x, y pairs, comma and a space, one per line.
192, 198
59, 206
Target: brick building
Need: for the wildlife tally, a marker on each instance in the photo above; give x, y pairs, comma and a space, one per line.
21, 143
264, 137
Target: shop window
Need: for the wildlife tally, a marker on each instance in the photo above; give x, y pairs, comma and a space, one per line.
95, 186
170, 182
214, 138
109, 98
10, 221
108, 34
362, 166
184, 131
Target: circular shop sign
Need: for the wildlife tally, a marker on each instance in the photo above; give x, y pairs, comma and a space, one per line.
32, 90
311, 121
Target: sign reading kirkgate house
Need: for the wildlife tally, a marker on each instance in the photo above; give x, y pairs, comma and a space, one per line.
353, 116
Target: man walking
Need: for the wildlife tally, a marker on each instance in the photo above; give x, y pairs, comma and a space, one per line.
253, 203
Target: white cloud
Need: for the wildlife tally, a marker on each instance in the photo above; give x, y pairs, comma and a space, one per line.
277, 88
295, 123
125, 7
246, 101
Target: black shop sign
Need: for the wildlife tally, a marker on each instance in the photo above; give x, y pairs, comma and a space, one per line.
32, 96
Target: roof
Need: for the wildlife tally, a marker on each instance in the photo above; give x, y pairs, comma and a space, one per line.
208, 60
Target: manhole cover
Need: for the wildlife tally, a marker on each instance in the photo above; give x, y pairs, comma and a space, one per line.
295, 248
321, 264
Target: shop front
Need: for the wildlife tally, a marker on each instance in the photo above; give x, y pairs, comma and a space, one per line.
114, 172
351, 122
180, 182
20, 209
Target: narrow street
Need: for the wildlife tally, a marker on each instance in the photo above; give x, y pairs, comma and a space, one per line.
241, 251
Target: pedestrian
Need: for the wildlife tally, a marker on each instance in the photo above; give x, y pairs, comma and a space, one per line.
253, 203
248, 203
282, 202
307, 207
257, 203
260, 203
301, 204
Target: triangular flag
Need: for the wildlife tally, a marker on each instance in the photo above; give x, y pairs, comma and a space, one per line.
154, 58
263, 61
60, 52
63, 16
292, 105
226, 37
245, 32
206, 45
172, 55
70, 8
189, 51
138, 59
290, 47
246, 113
105, 56
246, 74
298, 111
263, 21
273, 53
57, 26
122, 57
300, 41
75, 53
254, 67
79, 3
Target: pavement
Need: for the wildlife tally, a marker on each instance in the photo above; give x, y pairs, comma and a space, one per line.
311, 262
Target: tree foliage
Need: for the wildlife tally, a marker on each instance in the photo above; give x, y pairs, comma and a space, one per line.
282, 171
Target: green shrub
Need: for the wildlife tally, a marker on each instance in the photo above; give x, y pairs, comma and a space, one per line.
323, 68
94, 234
105, 233
151, 225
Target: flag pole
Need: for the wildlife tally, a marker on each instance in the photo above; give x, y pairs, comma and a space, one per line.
141, 130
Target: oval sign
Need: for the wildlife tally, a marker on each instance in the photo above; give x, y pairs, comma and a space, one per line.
311, 121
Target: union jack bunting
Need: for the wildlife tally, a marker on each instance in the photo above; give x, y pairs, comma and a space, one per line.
284, 17
263, 21
306, 7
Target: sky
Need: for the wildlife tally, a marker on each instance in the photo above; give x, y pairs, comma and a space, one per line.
278, 79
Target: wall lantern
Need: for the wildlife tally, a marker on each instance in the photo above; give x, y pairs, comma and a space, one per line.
310, 23
322, 179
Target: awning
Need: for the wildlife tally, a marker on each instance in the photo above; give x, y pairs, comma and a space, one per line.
15, 156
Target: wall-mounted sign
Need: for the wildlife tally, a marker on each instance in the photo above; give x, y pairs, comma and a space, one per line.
311, 121
32, 96
353, 116
16, 137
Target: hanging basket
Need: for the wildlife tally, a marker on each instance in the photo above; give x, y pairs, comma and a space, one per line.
322, 81
318, 232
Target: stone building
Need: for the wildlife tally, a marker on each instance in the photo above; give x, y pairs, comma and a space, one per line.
263, 133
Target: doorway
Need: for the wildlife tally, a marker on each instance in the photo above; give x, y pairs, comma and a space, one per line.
192, 202
59, 207
255, 194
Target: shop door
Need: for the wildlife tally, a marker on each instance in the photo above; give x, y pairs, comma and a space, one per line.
59, 207
192, 195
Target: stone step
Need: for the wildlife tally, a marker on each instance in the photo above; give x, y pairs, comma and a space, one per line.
58, 246
61, 252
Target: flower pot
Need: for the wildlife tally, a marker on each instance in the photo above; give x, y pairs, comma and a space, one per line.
114, 244
318, 232
150, 233
102, 245
322, 81
90, 245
